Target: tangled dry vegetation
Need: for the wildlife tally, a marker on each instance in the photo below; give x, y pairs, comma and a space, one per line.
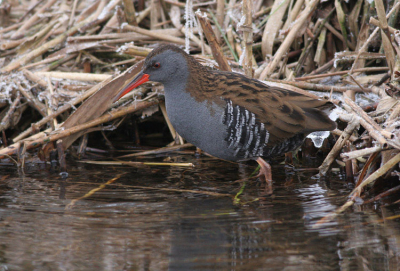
58, 55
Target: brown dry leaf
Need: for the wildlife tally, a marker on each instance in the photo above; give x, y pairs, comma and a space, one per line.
99, 102
273, 25
342, 20
353, 21
33, 41
368, 79
387, 45
385, 104
175, 15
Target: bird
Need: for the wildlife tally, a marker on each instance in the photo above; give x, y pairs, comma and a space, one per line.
228, 115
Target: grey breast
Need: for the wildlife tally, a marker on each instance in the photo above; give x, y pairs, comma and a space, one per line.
200, 123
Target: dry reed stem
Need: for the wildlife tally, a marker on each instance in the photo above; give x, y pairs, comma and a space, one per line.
42, 62
319, 87
6, 121
72, 16
143, 14
42, 49
297, 25
212, 40
292, 14
359, 153
394, 115
34, 78
375, 22
383, 194
170, 127
309, 42
378, 173
386, 39
76, 76
330, 158
79, 128
220, 18
29, 23
356, 108
371, 37
9, 28
373, 132
342, 22
371, 69
319, 52
339, 133
32, 101
130, 12
11, 44
60, 110
158, 151
128, 36
154, 35
35, 40
247, 28
338, 35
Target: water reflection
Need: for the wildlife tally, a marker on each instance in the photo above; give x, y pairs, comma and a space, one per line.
123, 227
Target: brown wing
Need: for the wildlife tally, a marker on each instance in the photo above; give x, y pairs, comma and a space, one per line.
283, 112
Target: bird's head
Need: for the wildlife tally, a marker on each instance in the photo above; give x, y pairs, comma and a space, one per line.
165, 64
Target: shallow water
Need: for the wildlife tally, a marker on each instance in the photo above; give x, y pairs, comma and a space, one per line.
125, 226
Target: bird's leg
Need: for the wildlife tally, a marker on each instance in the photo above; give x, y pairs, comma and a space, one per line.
265, 173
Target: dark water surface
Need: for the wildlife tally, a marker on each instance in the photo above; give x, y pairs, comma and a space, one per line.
127, 227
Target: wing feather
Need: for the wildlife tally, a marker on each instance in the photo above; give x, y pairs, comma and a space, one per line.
284, 113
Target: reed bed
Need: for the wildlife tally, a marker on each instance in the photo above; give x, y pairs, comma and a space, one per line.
62, 63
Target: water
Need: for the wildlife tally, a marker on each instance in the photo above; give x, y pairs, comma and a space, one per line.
125, 226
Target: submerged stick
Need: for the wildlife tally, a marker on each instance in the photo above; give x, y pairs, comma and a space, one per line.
91, 192
158, 151
130, 163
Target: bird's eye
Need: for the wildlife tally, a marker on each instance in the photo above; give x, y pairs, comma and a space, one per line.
157, 65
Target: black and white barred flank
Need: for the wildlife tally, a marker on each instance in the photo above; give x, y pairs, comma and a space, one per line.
246, 135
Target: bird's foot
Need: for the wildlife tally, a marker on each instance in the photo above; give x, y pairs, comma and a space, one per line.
265, 174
